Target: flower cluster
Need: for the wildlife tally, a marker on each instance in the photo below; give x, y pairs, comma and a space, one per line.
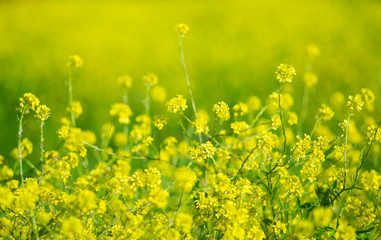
267, 173
285, 73
177, 104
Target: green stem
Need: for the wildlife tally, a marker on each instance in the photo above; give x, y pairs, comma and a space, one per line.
243, 163
282, 121
258, 116
42, 123
315, 125
179, 204
19, 143
146, 101
345, 148
125, 126
341, 212
182, 59
186, 74
35, 226
70, 88
379, 93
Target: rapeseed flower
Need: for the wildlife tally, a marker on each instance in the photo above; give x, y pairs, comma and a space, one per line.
285, 73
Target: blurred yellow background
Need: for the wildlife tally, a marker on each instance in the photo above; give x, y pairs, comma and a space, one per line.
232, 51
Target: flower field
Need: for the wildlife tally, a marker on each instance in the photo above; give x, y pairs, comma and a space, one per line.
280, 164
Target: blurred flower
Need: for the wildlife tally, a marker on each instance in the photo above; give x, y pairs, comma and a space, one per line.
182, 29
75, 61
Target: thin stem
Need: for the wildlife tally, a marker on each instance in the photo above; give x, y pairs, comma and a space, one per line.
188, 81
19, 143
125, 96
146, 101
35, 225
379, 92
315, 125
364, 157
42, 123
98, 149
125, 126
345, 148
243, 163
70, 89
341, 212
282, 120
186, 74
258, 116
179, 204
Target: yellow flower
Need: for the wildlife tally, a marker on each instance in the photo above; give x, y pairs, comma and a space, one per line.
29, 101
325, 113
279, 227
26, 149
322, 216
107, 130
255, 232
355, 103
371, 180
203, 114
313, 50
240, 109
285, 73
373, 134
42, 112
337, 99
120, 139
75, 61
369, 98
221, 109
292, 186
76, 108
182, 29
147, 141
220, 182
310, 79
239, 128
125, 81
150, 79
84, 201
29, 195
185, 179
158, 197
177, 104
201, 153
276, 122
267, 141
89, 137
345, 232
152, 178
160, 122
253, 103
184, 222
43, 217
5, 172
6, 197
71, 228
121, 111
292, 118
201, 126
303, 228
286, 101
158, 94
